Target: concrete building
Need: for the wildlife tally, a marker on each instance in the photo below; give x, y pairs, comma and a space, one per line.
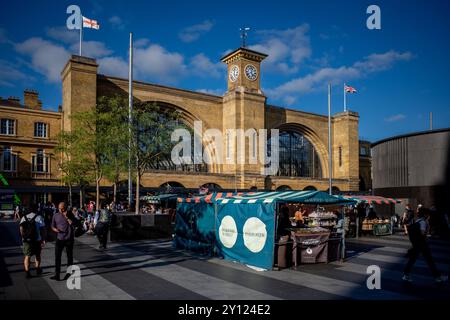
414, 167
303, 136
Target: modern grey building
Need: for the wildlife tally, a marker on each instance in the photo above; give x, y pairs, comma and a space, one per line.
414, 167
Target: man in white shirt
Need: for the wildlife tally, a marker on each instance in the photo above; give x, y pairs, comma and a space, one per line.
417, 233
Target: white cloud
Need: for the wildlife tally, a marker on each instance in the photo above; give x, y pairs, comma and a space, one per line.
318, 79
192, 33
47, 58
63, 34
113, 66
202, 66
92, 49
10, 74
396, 117
379, 62
155, 62
141, 43
117, 22
287, 49
215, 92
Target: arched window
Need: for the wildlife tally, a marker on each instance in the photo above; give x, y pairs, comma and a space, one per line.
284, 188
297, 156
164, 160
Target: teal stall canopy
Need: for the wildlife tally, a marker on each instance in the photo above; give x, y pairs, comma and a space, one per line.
306, 197
239, 226
245, 233
194, 228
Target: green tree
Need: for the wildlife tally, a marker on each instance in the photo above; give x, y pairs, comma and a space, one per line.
151, 130
72, 162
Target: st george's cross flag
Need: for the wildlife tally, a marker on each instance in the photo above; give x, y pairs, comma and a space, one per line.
89, 23
349, 89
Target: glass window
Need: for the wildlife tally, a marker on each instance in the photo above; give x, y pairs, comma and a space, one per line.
8, 160
40, 161
7, 126
297, 156
363, 151
40, 130
340, 156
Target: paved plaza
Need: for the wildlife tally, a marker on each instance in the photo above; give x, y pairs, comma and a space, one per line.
152, 269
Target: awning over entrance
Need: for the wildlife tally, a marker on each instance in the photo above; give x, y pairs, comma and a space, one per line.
372, 199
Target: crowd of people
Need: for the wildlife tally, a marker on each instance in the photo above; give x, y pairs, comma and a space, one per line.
41, 223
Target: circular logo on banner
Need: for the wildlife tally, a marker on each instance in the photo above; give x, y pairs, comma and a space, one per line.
309, 251
255, 234
228, 232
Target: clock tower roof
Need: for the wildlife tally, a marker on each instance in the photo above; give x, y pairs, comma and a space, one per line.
243, 53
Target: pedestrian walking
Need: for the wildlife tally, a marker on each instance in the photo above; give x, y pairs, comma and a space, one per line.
417, 232
32, 230
63, 224
407, 218
102, 223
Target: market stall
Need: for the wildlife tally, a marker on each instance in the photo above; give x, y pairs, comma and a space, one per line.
246, 228
373, 223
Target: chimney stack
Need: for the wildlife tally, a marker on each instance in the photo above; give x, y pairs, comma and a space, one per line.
30, 99
14, 100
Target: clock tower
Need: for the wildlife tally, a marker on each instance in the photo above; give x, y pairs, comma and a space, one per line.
243, 111
244, 67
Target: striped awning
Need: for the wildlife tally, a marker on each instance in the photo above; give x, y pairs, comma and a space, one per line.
372, 199
212, 197
306, 197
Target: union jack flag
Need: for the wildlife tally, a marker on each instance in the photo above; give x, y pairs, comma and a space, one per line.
349, 89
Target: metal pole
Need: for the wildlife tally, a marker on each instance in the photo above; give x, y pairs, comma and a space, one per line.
345, 99
329, 141
130, 120
81, 37
431, 120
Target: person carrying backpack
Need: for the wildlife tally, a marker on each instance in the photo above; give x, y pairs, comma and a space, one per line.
417, 232
102, 223
32, 230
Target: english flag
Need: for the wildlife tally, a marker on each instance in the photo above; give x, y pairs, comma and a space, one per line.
349, 89
89, 23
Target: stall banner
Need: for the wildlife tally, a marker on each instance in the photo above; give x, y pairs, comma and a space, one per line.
382, 229
310, 248
194, 228
245, 233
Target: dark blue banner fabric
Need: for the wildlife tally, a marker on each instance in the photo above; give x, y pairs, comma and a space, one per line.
194, 228
245, 233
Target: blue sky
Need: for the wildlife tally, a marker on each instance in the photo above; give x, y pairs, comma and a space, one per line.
401, 72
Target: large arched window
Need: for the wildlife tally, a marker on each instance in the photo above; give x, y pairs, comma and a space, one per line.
164, 160
297, 156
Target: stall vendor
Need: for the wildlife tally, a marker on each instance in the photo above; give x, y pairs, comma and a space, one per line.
299, 215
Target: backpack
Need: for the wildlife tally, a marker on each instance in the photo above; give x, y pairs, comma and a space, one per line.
29, 229
105, 216
414, 233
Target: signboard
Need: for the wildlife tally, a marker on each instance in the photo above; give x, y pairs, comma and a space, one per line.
382, 229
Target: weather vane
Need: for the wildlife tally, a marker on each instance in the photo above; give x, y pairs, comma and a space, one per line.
244, 35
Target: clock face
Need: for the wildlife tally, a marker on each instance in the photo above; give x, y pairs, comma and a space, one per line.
234, 73
250, 72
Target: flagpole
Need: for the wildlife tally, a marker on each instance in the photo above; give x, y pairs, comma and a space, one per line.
130, 109
345, 99
81, 36
329, 140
